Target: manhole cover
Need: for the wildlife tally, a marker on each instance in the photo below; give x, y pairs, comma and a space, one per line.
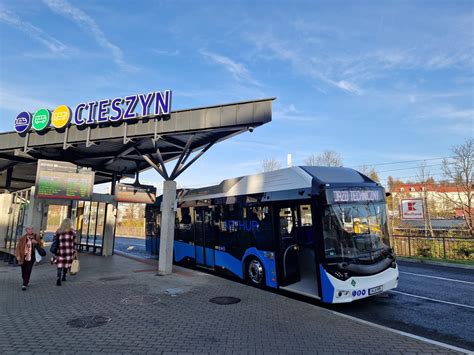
88, 321
225, 300
174, 291
141, 300
113, 278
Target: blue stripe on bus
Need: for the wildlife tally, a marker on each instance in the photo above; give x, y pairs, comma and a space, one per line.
183, 250
223, 259
210, 258
236, 266
268, 264
327, 286
230, 262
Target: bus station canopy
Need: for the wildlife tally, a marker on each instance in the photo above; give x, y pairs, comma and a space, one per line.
125, 148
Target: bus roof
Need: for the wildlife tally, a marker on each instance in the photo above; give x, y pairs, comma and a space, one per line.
298, 177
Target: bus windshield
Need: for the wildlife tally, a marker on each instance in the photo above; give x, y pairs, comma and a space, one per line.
355, 231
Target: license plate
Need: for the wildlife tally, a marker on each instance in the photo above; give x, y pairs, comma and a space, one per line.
374, 290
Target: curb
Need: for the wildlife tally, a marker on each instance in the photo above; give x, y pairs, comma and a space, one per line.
439, 263
136, 258
358, 320
408, 335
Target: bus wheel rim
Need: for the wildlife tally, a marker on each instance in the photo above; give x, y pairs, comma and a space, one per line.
256, 271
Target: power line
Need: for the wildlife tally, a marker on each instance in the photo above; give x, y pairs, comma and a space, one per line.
414, 176
413, 167
400, 162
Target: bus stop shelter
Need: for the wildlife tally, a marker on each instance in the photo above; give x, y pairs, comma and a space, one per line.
124, 149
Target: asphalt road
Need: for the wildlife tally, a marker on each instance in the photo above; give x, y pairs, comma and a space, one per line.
432, 301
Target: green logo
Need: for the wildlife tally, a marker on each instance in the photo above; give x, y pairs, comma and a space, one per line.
41, 119
353, 283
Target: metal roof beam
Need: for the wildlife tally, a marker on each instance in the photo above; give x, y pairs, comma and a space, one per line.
160, 167
18, 159
184, 154
198, 155
173, 141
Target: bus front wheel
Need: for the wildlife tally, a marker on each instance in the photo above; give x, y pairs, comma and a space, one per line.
255, 273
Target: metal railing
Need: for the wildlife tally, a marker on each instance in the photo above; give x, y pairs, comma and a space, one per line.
434, 247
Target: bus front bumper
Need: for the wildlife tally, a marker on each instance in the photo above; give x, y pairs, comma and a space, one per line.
354, 288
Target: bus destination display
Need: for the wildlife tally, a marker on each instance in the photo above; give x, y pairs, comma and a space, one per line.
354, 195
135, 194
61, 180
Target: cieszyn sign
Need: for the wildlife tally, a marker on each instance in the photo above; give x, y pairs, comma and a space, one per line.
96, 112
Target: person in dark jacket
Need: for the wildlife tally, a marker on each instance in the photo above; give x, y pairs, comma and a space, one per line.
66, 251
25, 254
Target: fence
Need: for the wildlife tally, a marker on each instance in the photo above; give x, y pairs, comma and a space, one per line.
436, 247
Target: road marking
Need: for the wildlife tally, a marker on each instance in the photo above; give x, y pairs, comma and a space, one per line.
437, 277
409, 335
432, 299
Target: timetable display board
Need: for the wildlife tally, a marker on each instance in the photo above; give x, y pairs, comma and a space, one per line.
62, 180
135, 193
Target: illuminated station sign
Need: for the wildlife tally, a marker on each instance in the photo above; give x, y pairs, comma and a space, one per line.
96, 112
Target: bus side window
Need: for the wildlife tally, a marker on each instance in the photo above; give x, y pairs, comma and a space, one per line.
263, 233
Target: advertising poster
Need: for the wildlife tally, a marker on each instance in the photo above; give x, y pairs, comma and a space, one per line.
135, 194
412, 208
62, 180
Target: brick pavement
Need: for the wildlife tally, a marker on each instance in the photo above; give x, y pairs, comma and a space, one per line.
35, 321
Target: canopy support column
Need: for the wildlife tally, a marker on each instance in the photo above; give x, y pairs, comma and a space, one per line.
168, 215
110, 220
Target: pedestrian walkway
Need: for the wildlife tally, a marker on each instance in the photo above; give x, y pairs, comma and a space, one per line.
137, 311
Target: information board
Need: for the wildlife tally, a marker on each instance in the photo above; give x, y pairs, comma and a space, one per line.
412, 208
62, 180
135, 193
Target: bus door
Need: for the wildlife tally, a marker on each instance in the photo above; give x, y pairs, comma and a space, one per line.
204, 237
286, 225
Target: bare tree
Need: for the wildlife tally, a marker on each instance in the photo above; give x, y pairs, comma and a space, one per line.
423, 179
461, 170
270, 164
326, 158
370, 172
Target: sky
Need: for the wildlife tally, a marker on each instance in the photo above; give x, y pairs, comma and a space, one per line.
385, 84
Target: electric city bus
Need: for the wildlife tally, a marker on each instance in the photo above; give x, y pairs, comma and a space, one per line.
316, 231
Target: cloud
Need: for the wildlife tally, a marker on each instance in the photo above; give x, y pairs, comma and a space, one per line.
291, 113
301, 61
165, 53
55, 46
448, 112
11, 101
88, 24
344, 85
238, 70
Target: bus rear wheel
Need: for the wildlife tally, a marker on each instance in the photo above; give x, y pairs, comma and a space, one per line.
255, 273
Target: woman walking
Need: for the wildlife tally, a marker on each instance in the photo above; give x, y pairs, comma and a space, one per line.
25, 254
66, 250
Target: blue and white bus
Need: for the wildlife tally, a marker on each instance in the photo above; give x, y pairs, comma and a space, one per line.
316, 231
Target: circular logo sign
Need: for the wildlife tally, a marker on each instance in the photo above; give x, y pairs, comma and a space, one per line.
41, 119
23, 122
61, 116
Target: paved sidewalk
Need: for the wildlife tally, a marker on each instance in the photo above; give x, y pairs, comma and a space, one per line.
172, 314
